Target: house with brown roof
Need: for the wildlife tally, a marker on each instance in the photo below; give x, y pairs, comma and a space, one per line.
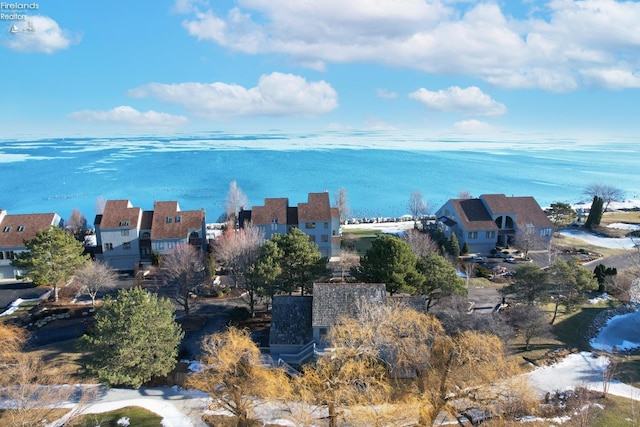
14, 230
127, 235
316, 218
493, 219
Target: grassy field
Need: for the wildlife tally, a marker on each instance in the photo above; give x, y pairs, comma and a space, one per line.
138, 417
632, 217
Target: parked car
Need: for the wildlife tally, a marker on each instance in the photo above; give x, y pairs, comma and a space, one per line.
477, 259
510, 260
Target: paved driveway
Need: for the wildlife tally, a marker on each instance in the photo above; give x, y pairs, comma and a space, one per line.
11, 291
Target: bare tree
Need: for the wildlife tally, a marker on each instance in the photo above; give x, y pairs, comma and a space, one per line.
101, 202
342, 203
529, 239
93, 277
182, 273
76, 225
235, 375
421, 243
32, 391
608, 193
235, 201
417, 205
238, 249
348, 260
465, 195
530, 322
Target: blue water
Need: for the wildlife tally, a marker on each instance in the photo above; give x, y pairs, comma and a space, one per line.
58, 174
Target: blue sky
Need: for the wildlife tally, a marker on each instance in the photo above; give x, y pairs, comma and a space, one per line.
455, 68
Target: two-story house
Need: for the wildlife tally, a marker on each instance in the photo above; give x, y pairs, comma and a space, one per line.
316, 218
493, 219
127, 235
14, 231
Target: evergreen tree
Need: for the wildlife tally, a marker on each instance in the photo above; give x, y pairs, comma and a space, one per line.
391, 261
441, 279
531, 285
136, 338
51, 258
595, 213
560, 214
465, 248
300, 261
453, 246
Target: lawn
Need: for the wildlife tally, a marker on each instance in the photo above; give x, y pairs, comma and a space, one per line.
138, 417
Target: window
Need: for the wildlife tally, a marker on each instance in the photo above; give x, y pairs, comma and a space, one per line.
1, 255
6, 229
124, 223
491, 234
124, 232
145, 235
326, 225
108, 246
170, 245
10, 255
274, 224
312, 238
322, 332
169, 219
21, 228
126, 246
472, 235
309, 225
324, 238
159, 246
178, 218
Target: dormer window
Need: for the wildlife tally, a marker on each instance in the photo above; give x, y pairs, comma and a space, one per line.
21, 228
178, 218
6, 229
169, 219
124, 223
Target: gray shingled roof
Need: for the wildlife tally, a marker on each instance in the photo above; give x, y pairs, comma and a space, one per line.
291, 320
332, 301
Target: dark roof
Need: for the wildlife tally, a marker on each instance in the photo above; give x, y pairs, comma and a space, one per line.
244, 216
179, 224
447, 221
24, 227
291, 320
417, 303
147, 220
473, 214
333, 301
120, 214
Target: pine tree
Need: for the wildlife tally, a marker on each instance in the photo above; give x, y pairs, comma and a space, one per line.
595, 213
453, 246
136, 338
51, 258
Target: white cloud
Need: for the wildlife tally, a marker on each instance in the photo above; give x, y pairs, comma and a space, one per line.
473, 126
613, 78
375, 123
549, 49
386, 94
469, 101
276, 94
130, 116
39, 34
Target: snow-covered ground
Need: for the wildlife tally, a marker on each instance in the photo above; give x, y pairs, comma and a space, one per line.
385, 227
621, 332
603, 242
578, 370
